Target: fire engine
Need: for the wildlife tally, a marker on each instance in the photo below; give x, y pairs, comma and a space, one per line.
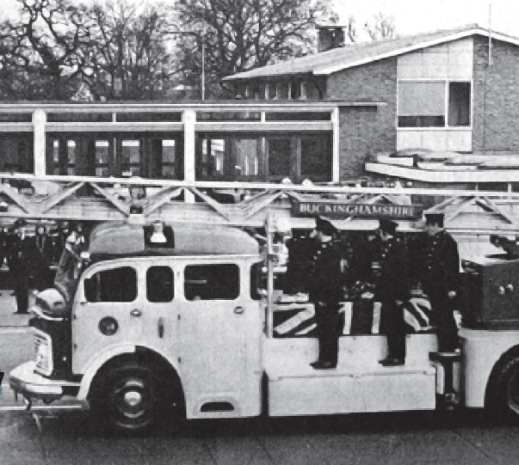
178, 320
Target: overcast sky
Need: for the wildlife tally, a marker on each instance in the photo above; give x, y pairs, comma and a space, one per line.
415, 16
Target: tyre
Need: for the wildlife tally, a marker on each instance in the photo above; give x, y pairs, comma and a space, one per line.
128, 398
503, 396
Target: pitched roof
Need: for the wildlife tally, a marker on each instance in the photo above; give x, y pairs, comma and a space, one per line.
337, 59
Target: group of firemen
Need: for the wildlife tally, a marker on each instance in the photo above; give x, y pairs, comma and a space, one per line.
386, 267
29, 252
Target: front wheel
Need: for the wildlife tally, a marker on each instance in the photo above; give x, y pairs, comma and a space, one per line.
128, 399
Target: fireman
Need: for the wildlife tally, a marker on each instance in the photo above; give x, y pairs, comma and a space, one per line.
326, 292
18, 268
390, 267
439, 277
40, 257
59, 240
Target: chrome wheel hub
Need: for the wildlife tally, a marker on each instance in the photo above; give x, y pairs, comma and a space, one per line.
132, 398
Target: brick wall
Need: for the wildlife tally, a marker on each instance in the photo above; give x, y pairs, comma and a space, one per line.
365, 130
495, 97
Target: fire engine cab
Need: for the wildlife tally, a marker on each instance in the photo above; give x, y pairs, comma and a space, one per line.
180, 319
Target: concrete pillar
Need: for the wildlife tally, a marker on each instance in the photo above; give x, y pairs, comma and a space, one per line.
39, 118
189, 120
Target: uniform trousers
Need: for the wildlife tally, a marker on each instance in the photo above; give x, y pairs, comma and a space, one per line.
20, 277
443, 319
329, 329
393, 326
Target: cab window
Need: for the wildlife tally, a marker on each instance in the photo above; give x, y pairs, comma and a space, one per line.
159, 284
115, 285
212, 282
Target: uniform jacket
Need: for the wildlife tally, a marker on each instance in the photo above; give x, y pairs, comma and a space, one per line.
326, 278
440, 263
39, 251
392, 282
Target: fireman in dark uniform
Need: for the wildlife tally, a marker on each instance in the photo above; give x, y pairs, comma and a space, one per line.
439, 278
326, 292
59, 240
18, 268
40, 257
390, 266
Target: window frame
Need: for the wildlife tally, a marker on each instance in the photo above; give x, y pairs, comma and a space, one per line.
445, 127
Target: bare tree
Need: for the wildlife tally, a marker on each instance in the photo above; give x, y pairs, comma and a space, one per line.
58, 46
231, 36
46, 51
381, 27
133, 57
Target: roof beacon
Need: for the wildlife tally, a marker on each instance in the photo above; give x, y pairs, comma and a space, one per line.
158, 236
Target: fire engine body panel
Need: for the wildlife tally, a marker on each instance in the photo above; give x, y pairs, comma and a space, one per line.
359, 384
191, 302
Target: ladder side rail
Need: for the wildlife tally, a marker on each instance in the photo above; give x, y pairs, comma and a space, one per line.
250, 186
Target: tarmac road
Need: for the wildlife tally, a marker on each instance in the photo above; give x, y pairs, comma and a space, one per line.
376, 439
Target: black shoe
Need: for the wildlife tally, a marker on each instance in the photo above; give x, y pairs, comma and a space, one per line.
392, 361
323, 365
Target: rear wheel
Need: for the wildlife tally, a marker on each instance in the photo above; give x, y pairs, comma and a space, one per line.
503, 400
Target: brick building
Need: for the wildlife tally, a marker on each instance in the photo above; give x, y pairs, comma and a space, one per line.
454, 90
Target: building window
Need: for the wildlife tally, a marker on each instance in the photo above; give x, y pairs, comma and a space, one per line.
278, 154
433, 104
316, 162
459, 104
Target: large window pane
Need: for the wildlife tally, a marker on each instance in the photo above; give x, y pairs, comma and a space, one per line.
16, 152
279, 157
459, 104
230, 158
102, 148
131, 157
316, 157
169, 171
421, 98
247, 157
421, 121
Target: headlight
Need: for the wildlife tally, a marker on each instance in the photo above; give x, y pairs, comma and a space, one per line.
43, 353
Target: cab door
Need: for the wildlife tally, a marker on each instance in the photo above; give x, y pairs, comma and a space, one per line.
219, 330
107, 311
160, 312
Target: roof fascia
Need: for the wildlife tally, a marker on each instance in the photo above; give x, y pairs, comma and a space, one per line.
270, 77
460, 35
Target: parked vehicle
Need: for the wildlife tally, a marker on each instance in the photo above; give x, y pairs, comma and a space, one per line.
179, 320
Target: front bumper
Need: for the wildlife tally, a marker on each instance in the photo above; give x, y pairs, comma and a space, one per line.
24, 381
